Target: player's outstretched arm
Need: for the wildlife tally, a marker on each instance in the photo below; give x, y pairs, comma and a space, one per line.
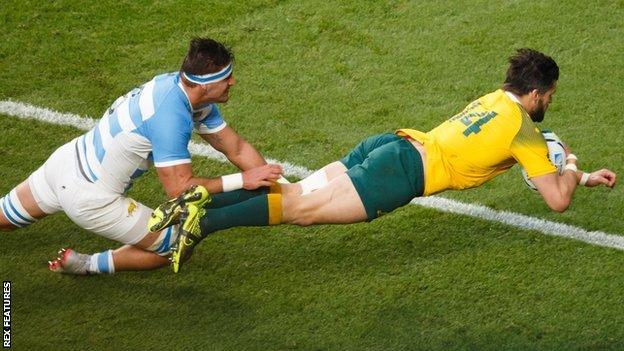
557, 190
256, 171
242, 154
176, 179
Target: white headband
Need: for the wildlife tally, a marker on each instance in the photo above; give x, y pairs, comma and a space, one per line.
210, 77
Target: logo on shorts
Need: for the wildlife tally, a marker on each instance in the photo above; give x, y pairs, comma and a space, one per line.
380, 213
131, 208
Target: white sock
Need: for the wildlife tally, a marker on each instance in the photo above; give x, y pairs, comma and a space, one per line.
102, 262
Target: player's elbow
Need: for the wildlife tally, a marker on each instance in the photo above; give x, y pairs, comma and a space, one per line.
559, 205
556, 200
559, 209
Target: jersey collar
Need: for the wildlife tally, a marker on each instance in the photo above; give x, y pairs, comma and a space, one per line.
189, 105
513, 97
188, 101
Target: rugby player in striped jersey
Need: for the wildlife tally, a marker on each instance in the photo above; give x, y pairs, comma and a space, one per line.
88, 177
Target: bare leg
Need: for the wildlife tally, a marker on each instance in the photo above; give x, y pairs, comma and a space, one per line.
137, 258
125, 258
336, 203
132, 258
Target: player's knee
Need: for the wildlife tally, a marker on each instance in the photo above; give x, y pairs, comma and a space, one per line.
301, 214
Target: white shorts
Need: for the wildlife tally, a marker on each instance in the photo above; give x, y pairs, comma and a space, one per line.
58, 186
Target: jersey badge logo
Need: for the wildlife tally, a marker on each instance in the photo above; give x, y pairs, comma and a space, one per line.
132, 208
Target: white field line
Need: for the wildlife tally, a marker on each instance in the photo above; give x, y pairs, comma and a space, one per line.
26, 111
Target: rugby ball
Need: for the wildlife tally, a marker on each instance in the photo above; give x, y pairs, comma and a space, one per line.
556, 154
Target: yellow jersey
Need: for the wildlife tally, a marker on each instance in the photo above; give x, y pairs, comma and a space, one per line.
487, 138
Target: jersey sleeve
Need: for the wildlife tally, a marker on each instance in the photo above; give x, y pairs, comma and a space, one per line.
529, 148
169, 134
209, 121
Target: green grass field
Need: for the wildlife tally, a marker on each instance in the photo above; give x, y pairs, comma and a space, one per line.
314, 78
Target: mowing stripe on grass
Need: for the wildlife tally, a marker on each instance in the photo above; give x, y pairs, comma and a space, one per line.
26, 111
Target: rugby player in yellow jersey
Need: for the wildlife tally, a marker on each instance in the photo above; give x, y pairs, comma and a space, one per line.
387, 171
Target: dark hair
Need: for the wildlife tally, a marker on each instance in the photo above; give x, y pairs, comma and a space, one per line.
530, 69
205, 56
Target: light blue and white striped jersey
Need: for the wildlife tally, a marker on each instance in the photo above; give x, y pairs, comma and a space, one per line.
150, 124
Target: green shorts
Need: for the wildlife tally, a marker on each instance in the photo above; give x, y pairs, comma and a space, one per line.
387, 172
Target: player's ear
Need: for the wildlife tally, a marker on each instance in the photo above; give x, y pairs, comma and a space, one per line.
534, 94
206, 88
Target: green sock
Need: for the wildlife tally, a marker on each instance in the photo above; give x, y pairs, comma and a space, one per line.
257, 211
233, 197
